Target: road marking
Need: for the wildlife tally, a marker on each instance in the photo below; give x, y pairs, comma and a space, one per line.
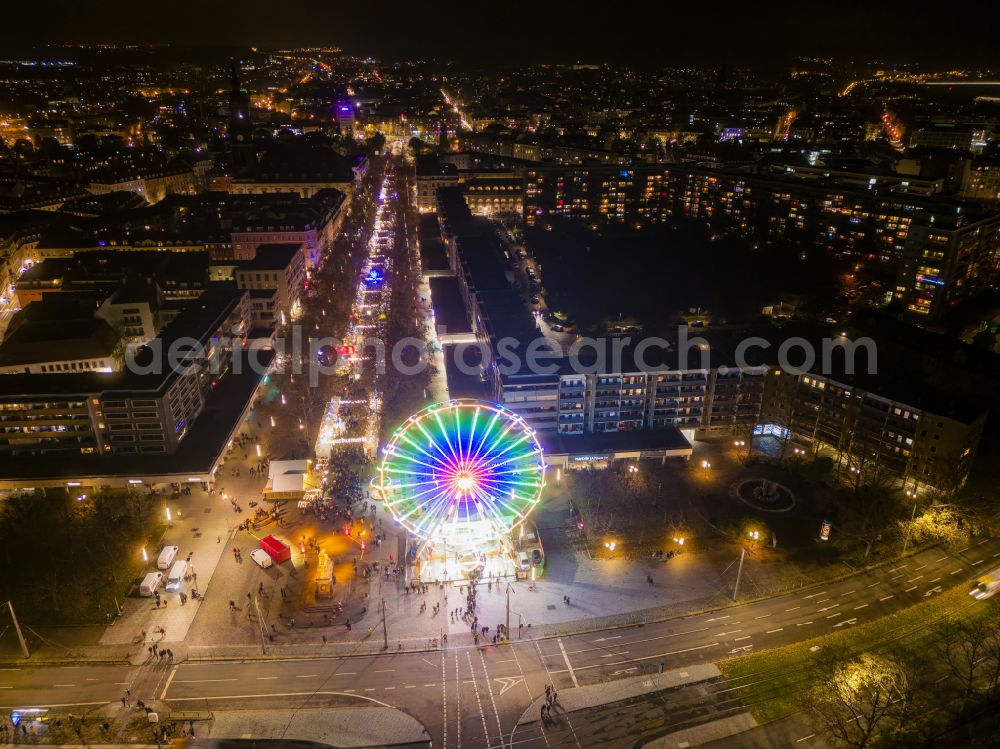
6, 687
846, 621
305, 676
64, 685
805, 738
428, 685
822, 600
872, 585
794, 609
634, 660
718, 618
835, 613
862, 606
934, 580
897, 569
980, 543
827, 608
745, 637
763, 616
410, 686
605, 639
802, 624
913, 580
479, 702
815, 594
266, 678
940, 559
917, 569
772, 631
369, 689
979, 562
201, 681
909, 589
733, 632
493, 700
956, 571
965, 549
996, 555
886, 598
386, 671
506, 682
848, 593
390, 687
173, 673
569, 666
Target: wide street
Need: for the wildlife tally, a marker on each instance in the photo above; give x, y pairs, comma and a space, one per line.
474, 697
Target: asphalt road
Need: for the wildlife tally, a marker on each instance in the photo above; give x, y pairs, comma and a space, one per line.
473, 697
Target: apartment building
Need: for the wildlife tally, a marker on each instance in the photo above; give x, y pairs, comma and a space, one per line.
929, 439
947, 258
146, 409
281, 267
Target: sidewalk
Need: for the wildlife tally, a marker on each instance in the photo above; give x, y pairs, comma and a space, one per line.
377, 725
595, 695
202, 525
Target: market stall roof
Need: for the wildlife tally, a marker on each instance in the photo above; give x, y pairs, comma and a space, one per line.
287, 476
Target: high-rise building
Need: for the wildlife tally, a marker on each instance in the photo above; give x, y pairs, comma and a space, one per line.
947, 257
345, 117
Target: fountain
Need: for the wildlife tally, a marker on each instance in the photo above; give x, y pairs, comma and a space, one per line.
764, 494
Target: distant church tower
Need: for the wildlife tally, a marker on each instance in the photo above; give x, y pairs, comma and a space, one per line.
240, 126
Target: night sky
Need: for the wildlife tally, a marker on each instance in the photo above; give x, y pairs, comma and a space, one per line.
506, 31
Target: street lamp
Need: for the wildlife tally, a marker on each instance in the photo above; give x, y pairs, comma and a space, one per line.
610, 545
145, 556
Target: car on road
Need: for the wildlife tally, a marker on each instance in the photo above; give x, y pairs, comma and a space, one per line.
262, 558
534, 300
986, 586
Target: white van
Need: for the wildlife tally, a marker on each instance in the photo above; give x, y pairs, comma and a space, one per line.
524, 560
167, 557
176, 577
150, 583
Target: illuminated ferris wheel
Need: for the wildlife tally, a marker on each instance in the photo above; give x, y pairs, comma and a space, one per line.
462, 472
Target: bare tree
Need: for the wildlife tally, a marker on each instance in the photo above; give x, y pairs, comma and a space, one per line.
863, 701
966, 647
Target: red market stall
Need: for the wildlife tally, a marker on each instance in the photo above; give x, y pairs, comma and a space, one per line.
278, 551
